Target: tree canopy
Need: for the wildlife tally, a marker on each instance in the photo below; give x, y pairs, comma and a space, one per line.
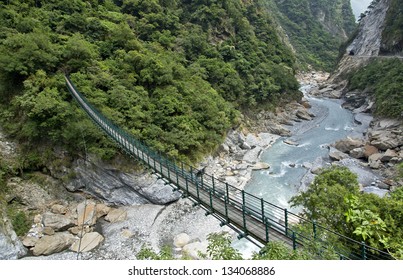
173, 73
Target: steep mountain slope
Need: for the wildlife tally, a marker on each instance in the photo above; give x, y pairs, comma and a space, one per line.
372, 63
174, 73
315, 28
392, 35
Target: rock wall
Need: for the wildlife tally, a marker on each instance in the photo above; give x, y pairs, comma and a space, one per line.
117, 187
369, 37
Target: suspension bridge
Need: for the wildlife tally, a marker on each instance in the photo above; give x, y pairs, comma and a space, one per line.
251, 216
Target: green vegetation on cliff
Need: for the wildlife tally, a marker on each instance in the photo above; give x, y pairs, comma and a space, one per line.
383, 79
315, 28
392, 36
173, 73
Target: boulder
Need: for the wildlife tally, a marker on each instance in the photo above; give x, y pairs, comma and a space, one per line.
374, 161
388, 155
303, 115
48, 231
348, 144
59, 209
80, 230
102, 210
120, 188
11, 247
260, 166
369, 150
192, 250
56, 221
245, 146
30, 241
86, 213
252, 155
278, 129
358, 153
88, 242
336, 154
116, 215
384, 139
56, 243
181, 240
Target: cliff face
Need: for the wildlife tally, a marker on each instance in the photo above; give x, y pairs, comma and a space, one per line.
366, 44
392, 35
315, 28
335, 16
369, 37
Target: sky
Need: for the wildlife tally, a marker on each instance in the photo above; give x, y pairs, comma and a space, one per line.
359, 6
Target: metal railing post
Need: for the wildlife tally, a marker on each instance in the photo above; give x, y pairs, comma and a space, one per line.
262, 205
243, 211
286, 221
267, 229
363, 251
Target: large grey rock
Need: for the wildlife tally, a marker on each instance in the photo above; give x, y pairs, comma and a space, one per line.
388, 155
374, 161
48, 245
260, 166
336, 154
358, 152
385, 139
252, 155
11, 247
88, 242
278, 129
120, 188
193, 250
56, 221
348, 144
87, 215
181, 240
303, 114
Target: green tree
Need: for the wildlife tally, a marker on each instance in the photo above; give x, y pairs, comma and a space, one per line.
219, 247
324, 200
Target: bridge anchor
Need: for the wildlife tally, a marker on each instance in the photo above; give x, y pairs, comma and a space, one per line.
208, 213
242, 235
223, 223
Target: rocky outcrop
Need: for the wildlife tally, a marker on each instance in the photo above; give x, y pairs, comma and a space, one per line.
53, 244
11, 247
348, 144
368, 40
56, 221
67, 225
87, 243
120, 188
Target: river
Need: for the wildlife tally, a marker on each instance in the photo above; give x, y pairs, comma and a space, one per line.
290, 163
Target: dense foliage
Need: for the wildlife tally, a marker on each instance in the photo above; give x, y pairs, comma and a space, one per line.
383, 78
173, 73
392, 35
333, 200
315, 28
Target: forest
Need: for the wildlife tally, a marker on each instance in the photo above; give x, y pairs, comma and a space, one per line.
315, 28
175, 74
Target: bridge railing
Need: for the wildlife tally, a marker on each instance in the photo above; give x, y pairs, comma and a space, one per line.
269, 214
